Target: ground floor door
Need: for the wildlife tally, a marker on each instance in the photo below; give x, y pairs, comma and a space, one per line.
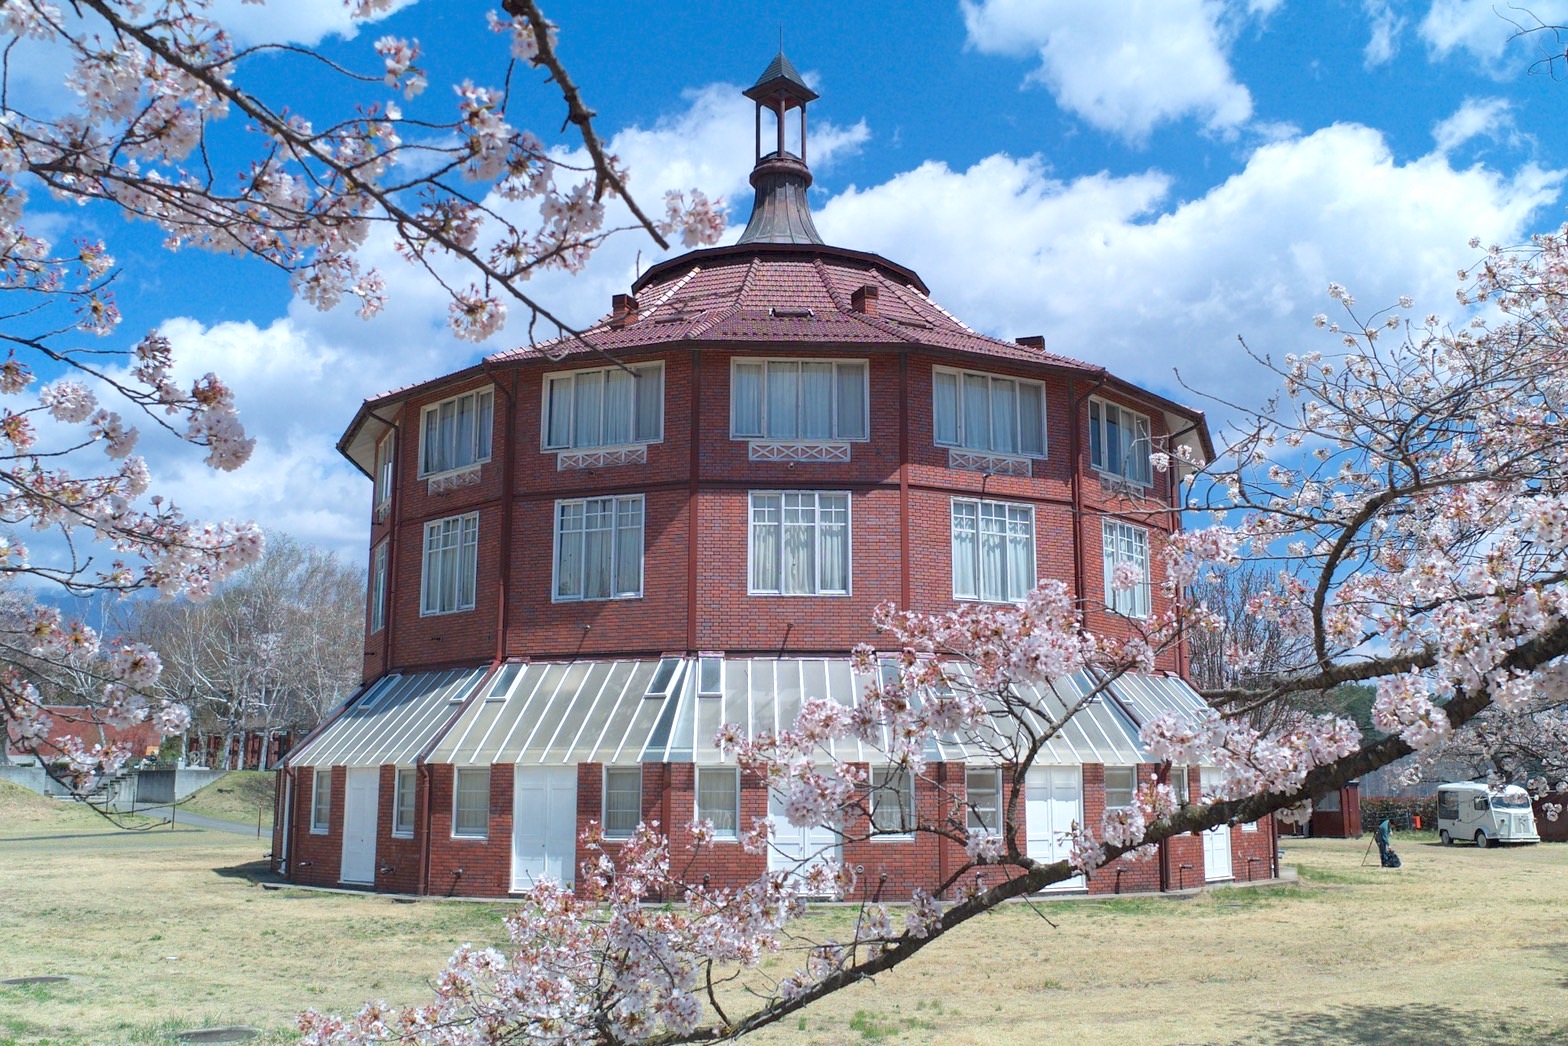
544, 825
359, 825
1053, 800
1216, 840
796, 850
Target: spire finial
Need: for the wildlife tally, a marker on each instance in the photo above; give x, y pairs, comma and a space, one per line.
781, 213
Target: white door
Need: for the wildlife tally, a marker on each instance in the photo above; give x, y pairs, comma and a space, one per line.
544, 825
796, 850
1216, 840
1053, 800
359, 825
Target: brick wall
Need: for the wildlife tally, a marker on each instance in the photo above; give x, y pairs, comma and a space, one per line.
695, 482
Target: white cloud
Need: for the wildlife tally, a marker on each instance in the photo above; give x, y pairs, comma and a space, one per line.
1386, 26
1484, 29
1112, 272
1124, 67
305, 22
1489, 117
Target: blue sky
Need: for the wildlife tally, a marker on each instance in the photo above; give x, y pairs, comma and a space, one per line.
1140, 182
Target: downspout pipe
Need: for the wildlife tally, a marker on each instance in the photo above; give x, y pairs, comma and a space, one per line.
1075, 465
508, 481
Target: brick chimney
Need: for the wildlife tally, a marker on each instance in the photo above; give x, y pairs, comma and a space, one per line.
864, 299
1032, 341
623, 310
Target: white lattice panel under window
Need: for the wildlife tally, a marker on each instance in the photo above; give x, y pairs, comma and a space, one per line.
602, 458
992, 464
449, 481
767, 450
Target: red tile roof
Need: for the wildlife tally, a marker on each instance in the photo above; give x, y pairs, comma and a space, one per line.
771, 294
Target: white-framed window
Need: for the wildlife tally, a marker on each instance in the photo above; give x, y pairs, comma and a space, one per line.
718, 799
710, 676
598, 548
983, 785
799, 543
799, 399
403, 790
993, 550
1121, 783
892, 800
320, 800
622, 800
1177, 779
378, 588
456, 432
471, 802
1119, 441
451, 565
382, 480
988, 412
1125, 543
603, 407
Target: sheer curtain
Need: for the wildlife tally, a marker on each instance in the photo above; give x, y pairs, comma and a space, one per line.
765, 518
816, 401
558, 408
850, 398
977, 412
650, 403
800, 539
993, 551
944, 407
1004, 416
619, 406
587, 401
1031, 420
569, 549
598, 545
628, 546
1020, 552
966, 532
833, 531
746, 399
783, 393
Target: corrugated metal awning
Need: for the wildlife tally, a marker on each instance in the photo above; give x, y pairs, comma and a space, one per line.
670, 710
391, 721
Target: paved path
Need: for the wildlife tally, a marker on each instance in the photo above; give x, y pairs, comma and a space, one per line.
190, 820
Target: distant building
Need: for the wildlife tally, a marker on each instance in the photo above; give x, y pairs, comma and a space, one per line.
589, 555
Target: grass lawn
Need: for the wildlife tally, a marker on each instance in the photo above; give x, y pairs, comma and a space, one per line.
163, 931
236, 796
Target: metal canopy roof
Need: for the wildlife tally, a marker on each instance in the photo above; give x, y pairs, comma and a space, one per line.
564, 713
1148, 696
392, 721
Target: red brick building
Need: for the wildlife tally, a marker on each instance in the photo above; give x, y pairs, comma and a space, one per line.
588, 555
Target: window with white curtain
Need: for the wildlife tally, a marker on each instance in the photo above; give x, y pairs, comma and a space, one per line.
383, 475
622, 800
403, 803
1121, 784
799, 543
471, 803
1119, 442
798, 399
993, 550
1125, 543
987, 412
455, 433
604, 407
598, 548
320, 799
378, 588
718, 799
451, 565
892, 800
983, 786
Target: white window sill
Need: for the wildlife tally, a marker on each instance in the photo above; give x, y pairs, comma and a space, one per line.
595, 599
470, 838
321, 831
801, 595
444, 613
402, 835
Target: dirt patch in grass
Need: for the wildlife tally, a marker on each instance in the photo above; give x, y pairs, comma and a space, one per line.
165, 931
236, 796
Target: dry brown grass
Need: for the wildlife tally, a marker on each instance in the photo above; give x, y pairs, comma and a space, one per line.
164, 931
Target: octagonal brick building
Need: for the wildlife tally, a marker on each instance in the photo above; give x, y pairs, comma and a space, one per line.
587, 555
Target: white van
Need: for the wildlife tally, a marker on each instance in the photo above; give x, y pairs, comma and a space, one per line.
1490, 816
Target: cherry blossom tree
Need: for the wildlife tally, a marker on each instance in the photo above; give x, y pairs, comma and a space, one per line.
159, 122
1408, 498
